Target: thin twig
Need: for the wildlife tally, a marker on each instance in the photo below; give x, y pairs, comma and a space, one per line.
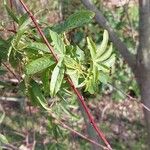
80, 97
130, 97
12, 99
104, 110
59, 122
9, 147
81, 135
9, 30
11, 71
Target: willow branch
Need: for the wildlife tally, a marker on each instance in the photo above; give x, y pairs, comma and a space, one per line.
76, 91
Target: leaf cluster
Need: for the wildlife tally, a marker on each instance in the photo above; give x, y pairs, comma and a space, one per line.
41, 75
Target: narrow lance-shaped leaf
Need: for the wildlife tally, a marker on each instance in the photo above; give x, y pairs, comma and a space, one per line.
103, 77
37, 93
24, 24
38, 46
38, 65
105, 55
10, 13
70, 63
75, 20
110, 61
89, 85
101, 49
17, 42
45, 80
103, 68
80, 54
57, 78
73, 74
92, 47
3, 139
23, 18
4, 48
57, 42
95, 74
79, 18
2, 116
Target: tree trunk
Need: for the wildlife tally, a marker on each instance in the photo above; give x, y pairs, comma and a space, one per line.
145, 96
143, 79
143, 59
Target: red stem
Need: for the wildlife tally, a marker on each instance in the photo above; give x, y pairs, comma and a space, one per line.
9, 30
76, 91
12, 72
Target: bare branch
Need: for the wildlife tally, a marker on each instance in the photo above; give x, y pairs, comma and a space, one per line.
120, 46
12, 72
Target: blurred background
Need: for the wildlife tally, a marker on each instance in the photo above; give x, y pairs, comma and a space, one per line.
119, 116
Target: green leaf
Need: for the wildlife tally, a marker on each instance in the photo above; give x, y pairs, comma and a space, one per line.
2, 116
2, 71
103, 77
32, 96
18, 42
11, 14
57, 78
79, 18
4, 84
38, 46
95, 74
101, 49
105, 55
37, 94
70, 63
110, 61
80, 54
46, 81
75, 20
73, 74
74, 70
9, 52
4, 48
38, 65
103, 68
23, 18
91, 47
90, 85
91, 81
2, 42
3, 139
57, 42
24, 24
15, 58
